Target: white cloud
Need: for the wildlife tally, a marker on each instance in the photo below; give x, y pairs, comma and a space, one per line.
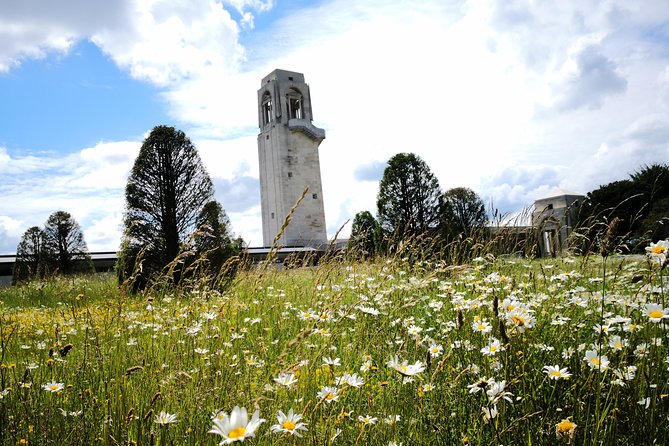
32, 28
103, 234
89, 185
508, 98
171, 41
588, 78
10, 234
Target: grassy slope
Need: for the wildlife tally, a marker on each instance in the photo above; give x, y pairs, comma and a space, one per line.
199, 352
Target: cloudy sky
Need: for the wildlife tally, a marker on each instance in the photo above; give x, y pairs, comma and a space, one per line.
509, 98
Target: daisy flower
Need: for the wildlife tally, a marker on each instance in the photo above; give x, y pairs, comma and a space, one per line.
237, 426
414, 330
391, 419
328, 393
521, 319
164, 418
489, 413
366, 366
626, 373
492, 348
289, 424
367, 419
306, 315
427, 387
655, 312
404, 368
481, 326
285, 379
595, 361
352, 380
565, 429
53, 387
435, 350
617, 343
327, 361
496, 391
324, 317
479, 385
658, 251
555, 372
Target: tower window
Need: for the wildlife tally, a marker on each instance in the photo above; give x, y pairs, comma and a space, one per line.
295, 108
290, 174
294, 104
314, 196
266, 108
272, 215
290, 78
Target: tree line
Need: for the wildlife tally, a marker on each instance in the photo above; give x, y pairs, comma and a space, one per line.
639, 206
411, 208
57, 248
174, 229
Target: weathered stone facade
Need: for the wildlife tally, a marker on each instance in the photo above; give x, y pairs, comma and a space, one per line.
289, 162
553, 218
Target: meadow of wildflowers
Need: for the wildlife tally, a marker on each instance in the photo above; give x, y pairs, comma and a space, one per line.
499, 352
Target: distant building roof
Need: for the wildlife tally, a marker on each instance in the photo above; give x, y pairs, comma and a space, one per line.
557, 192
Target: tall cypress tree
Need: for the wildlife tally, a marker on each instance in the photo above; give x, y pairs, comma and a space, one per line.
165, 193
409, 200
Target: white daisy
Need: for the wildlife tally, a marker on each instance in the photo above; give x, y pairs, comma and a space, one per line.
237, 426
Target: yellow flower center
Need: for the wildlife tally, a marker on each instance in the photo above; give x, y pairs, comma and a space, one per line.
658, 249
595, 360
493, 348
329, 396
481, 327
556, 373
565, 426
518, 320
237, 433
288, 425
54, 387
656, 314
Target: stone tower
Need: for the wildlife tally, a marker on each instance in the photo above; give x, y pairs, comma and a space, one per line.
288, 157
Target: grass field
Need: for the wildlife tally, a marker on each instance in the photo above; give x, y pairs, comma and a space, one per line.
498, 352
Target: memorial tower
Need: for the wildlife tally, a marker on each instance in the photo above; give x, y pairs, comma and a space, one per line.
289, 162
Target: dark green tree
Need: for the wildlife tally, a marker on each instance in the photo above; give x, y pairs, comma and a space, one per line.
409, 198
166, 191
65, 250
365, 235
463, 213
652, 182
641, 204
29, 254
213, 241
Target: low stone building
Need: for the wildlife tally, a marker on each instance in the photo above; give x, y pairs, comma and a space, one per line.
553, 218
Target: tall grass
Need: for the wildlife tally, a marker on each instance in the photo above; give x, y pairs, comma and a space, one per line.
199, 349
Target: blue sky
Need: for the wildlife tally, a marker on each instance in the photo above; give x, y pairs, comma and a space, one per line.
510, 98
68, 101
